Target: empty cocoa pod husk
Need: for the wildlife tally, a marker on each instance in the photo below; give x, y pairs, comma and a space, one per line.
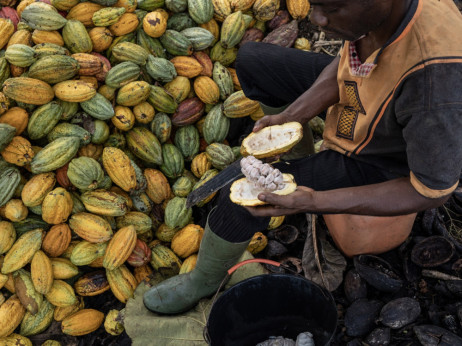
361, 315
434, 335
379, 337
285, 234
378, 273
400, 312
354, 286
432, 252
275, 249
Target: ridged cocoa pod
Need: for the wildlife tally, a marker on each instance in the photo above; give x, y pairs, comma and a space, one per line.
282, 17
188, 112
283, 36
251, 35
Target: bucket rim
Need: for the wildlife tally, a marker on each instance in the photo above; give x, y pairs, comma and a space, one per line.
244, 282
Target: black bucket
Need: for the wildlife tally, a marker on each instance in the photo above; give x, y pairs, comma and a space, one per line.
271, 305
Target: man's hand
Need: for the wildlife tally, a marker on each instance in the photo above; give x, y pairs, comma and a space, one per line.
269, 120
294, 203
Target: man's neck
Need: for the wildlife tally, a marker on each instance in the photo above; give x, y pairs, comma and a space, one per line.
376, 39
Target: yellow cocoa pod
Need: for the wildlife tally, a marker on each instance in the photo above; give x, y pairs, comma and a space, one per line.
158, 189
22, 251
16, 117
28, 90
82, 322
57, 206
206, 89
186, 66
298, 9
19, 152
188, 264
133, 93
21, 37
91, 150
15, 210
6, 31
107, 91
11, 315
275, 222
123, 118
62, 312
111, 325
155, 23
83, 12
200, 164
265, 10
51, 342
92, 228
179, 88
41, 272
120, 247
144, 112
74, 91
165, 233
119, 168
213, 27
85, 252
36, 189
63, 268
129, 5
126, 24
242, 5
122, 283
237, 105
61, 294
7, 236
257, 243
15, 340
221, 9
41, 36
64, 5
57, 240
142, 273
236, 83
101, 37
187, 240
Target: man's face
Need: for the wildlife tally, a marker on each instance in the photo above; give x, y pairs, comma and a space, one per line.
349, 19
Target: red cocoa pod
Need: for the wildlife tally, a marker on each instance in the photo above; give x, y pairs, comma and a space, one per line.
188, 112
284, 36
251, 35
101, 76
62, 179
11, 14
141, 254
206, 62
282, 17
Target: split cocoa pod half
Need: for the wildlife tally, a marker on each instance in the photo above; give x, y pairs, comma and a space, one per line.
272, 140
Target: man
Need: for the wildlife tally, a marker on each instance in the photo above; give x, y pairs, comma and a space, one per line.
393, 128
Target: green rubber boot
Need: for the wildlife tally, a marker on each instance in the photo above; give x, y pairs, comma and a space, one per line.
303, 148
182, 292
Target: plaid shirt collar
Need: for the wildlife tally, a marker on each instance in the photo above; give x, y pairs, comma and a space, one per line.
357, 68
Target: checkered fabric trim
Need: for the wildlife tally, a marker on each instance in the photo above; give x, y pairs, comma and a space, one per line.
357, 68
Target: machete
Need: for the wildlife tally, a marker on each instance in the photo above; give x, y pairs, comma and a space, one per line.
229, 174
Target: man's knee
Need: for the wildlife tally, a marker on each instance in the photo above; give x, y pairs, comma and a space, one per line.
247, 58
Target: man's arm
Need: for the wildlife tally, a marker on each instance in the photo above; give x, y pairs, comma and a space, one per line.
323, 93
394, 197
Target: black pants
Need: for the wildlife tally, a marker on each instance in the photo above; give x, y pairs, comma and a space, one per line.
276, 76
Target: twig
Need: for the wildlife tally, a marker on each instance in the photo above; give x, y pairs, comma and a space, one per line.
438, 275
326, 43
327, 52
316, 251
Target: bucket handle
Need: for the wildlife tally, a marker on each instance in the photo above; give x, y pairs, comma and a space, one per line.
228, 274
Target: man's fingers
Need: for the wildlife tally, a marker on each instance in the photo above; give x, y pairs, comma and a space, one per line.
264, 211
262, 123
270, 198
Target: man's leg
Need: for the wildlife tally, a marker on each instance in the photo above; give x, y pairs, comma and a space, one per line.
276, 76
230, 228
